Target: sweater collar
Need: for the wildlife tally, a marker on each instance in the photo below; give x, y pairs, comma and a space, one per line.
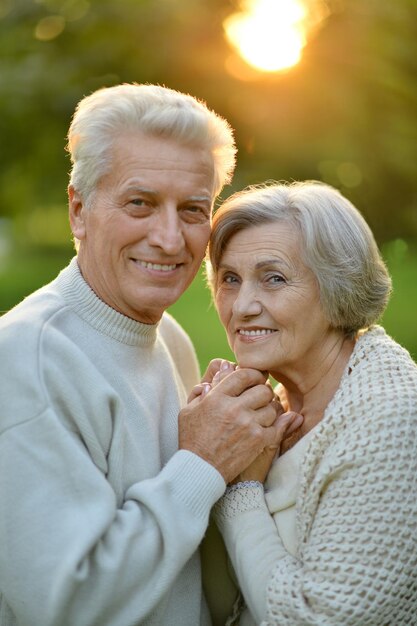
87, 305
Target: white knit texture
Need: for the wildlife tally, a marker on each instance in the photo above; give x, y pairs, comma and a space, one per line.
357, 503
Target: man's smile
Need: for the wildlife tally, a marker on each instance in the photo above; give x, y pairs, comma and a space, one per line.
162, 267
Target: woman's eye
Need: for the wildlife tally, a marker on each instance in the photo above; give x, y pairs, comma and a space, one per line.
229, 279
275, 279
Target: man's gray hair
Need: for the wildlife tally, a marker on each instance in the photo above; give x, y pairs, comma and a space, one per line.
338, 246
103, 116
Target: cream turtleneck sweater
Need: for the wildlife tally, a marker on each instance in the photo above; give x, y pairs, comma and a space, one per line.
100, 514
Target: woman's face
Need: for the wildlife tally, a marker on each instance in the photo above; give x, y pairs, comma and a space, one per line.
269, 301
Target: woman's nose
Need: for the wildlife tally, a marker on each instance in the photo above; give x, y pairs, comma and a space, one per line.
247, 302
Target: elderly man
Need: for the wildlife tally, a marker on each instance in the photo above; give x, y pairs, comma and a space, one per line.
103, 499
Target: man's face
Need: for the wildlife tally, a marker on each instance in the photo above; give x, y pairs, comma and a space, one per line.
145, 233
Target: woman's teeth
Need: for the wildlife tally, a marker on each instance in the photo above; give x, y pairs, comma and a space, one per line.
255, 333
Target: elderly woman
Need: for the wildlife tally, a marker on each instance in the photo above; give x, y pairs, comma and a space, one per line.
324, 533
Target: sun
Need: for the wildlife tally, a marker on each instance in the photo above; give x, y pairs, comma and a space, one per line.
269, 34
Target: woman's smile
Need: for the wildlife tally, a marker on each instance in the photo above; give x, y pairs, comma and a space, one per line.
269, 301
250, 334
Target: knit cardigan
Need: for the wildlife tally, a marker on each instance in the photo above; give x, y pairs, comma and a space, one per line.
100, 514
356, 510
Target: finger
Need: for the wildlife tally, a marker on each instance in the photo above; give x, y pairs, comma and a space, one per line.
259, 396
276, 432
278, 406
216, 378
239, 380
294, 423
228, 366
212, 368
221, 375
206, 389
196, 391
265, 416
215, 366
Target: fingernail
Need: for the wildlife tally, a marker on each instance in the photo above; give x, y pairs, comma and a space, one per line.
206, 388
224, 365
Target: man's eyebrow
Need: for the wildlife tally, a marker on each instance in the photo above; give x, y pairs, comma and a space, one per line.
200, 198
152, 193
138, 189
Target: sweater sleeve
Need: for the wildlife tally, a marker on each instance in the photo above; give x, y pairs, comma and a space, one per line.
252, 542
358, 557
72, 553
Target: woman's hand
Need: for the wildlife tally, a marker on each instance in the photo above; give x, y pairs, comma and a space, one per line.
285, 424
216, 371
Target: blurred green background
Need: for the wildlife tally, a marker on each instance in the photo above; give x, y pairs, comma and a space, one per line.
345, 114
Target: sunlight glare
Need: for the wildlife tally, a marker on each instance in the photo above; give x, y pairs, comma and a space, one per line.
269, 34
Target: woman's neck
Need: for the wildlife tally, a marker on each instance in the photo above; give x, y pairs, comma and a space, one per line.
310, 392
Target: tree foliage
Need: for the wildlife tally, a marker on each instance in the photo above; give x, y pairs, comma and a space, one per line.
346, 114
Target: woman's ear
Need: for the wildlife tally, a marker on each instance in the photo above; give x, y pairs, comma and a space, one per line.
76, 213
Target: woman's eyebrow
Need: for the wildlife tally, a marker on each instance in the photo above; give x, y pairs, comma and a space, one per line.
225, 266
269, 262
260, 265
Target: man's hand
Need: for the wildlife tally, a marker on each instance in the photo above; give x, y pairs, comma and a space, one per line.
231, 426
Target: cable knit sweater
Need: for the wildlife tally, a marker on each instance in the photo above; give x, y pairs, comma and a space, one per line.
356, 509
100, 514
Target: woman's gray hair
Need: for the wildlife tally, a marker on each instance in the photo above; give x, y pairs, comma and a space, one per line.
109, 112
338, 246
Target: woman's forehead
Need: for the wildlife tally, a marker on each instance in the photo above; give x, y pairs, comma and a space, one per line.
268, 237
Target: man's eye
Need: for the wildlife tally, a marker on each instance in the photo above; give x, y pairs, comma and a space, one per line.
139, 207
197, 212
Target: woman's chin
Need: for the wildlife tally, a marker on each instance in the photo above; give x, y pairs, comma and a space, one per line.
253, 363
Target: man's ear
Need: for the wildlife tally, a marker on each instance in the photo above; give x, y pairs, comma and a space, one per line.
76, 213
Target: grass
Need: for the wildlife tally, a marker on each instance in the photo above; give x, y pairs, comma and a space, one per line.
23, 271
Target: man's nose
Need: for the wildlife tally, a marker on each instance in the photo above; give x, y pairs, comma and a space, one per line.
166, 232
247, 302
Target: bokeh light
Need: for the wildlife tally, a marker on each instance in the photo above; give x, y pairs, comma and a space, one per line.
271, 34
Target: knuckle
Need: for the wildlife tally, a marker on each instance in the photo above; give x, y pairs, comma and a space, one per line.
256, 431
246, 422
271, 413
247, 375
263, 393
268, 393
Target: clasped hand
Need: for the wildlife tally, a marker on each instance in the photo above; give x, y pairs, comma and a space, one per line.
234, 421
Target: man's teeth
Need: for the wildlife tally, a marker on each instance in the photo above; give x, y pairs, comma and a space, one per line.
157, 266
255, 333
